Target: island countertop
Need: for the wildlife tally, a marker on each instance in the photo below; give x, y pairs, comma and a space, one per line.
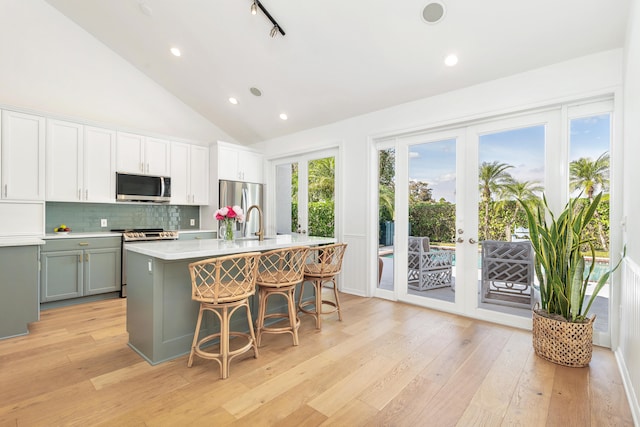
185, 249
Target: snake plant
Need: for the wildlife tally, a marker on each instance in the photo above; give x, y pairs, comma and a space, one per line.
559, 257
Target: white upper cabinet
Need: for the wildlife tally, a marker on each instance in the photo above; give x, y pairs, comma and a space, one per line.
80, 163
238, 163
99, 172
143, 155
22, 156
189, 174
64, 161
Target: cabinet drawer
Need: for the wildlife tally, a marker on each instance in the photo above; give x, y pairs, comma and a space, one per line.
68, 244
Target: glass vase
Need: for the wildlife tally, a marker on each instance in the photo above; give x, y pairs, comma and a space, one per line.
226, 230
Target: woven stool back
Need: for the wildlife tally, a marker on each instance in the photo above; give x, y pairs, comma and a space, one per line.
224, 279
282, 267
325, 261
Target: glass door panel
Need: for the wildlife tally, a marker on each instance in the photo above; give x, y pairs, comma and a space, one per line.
510, 168
386, 217
589, 175
431, 260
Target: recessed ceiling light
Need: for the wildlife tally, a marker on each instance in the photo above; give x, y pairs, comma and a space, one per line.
233, 100
433, 12
451, 60
175, 51
283, 116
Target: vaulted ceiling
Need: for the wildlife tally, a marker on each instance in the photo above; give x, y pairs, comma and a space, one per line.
339, 58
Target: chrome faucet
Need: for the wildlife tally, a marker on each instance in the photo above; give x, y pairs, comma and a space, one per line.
260, 232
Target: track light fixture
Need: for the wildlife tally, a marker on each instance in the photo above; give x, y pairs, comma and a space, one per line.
276, 27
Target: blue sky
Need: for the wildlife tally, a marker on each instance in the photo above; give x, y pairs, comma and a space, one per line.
523, 148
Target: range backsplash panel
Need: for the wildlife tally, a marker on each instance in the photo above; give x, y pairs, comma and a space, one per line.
85, 217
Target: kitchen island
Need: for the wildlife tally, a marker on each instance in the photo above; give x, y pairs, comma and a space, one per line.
161, 316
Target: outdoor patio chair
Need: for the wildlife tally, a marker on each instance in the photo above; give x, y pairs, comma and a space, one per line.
428, 269
507, 273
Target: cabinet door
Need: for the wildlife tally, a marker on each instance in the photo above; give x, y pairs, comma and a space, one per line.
199, 175
251, 166
22, 156
61, 275
228, 163
64, 161
179, 174
99, 165
130, 149
157, 157
101, 271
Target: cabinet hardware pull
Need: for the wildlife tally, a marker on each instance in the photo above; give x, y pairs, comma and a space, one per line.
79, 258
86, 257
5, 190
83, 244
79, 194
86, 194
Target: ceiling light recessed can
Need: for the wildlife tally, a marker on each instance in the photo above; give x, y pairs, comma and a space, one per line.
255, 91
283, 116
433, 12
451, 60
233, 100
175, 51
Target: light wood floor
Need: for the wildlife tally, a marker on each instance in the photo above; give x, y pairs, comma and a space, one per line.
385, 364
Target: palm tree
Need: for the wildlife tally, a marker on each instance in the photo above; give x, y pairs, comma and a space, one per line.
591, 176
526, 191
492, 178
322, 179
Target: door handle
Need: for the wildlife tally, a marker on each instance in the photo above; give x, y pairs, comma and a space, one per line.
460, 240
472, 241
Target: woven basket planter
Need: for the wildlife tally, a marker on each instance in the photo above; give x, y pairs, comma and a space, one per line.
562, 342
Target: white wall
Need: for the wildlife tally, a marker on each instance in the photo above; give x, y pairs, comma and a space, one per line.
50, 65
629, 351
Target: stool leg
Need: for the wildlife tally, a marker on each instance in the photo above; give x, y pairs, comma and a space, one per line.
293, 314
262, 305
251, 332
317, 287
195, 338
335, 294
224, 342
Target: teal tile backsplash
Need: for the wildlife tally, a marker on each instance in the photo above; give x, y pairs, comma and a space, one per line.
85, 217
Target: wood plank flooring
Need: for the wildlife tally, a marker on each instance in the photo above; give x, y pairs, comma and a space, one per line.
386, 364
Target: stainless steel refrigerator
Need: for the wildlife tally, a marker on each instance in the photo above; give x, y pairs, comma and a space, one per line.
243, 194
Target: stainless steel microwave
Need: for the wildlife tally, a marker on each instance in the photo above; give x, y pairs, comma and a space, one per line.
142, 188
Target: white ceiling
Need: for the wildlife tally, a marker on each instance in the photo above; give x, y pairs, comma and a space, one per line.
339, 58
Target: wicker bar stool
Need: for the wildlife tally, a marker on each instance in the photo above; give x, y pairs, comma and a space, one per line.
325, 263
223, 285
279, 272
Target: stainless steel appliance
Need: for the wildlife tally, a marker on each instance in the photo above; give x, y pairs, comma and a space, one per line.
142, 188
133, 235
245, 195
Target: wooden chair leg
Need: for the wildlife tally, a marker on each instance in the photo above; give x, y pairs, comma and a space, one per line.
262, 305
293, 314
224, 343
335, 294
251, 330
195, 337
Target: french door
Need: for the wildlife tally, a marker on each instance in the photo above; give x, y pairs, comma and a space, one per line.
305, 192
455, 195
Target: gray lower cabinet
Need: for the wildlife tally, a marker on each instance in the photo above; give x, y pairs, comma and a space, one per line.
72, 268
18, 289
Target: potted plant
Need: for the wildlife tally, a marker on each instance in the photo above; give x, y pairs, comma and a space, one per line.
562, 332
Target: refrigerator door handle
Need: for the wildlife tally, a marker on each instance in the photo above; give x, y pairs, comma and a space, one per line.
244, 208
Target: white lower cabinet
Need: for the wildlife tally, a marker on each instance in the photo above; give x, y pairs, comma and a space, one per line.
73, 267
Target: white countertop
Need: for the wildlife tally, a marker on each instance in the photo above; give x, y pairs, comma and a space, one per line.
205, 248
74, 235
21, 241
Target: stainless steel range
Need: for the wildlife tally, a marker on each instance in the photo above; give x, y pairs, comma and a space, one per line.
136, 235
